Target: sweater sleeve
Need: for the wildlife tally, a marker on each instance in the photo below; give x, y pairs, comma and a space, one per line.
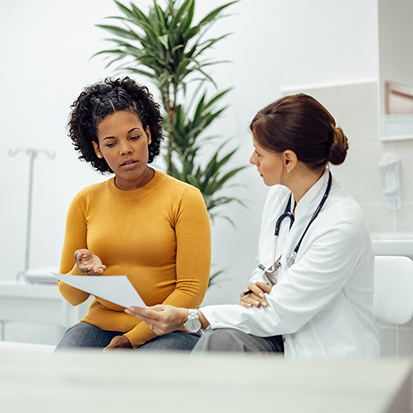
193, 258
75, 238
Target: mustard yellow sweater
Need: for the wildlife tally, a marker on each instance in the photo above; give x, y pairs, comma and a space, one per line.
157, 235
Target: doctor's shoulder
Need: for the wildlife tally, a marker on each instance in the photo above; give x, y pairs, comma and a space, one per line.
342, 227
277, 195
344, 214
275, 201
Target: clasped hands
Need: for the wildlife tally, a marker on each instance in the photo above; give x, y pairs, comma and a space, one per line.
253, 295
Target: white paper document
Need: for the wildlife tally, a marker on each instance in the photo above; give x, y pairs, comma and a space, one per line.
114, 288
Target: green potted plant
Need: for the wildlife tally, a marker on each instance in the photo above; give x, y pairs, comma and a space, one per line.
167, 47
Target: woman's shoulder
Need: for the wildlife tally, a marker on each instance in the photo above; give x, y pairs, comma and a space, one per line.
93, 189
174, 185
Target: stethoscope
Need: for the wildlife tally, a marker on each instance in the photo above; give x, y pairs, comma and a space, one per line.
287, 214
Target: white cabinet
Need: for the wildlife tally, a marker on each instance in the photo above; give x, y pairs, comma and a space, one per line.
25, 302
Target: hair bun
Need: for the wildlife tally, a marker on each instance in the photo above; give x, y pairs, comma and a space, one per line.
339, 147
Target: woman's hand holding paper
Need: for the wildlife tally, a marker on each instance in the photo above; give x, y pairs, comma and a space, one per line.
162, 319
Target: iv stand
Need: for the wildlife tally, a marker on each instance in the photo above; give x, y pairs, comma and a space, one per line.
32, 153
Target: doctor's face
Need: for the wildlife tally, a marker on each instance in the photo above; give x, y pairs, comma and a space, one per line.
269, 164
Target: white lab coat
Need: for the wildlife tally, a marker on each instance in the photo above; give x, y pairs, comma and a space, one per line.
323, 304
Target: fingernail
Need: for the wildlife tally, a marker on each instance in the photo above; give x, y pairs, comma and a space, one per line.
256, 303
261, 295
264, 304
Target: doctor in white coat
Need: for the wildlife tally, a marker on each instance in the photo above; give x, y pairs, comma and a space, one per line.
311, 295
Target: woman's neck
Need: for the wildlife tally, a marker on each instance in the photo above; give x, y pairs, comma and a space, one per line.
125, 185
302, 180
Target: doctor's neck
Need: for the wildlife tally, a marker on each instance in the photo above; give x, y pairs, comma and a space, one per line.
300, 180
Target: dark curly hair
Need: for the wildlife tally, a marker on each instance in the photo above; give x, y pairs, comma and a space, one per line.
102, 99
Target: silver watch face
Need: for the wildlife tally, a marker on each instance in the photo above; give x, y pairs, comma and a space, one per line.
193, 325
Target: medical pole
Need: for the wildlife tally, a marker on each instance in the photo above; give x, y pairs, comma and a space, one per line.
32, 153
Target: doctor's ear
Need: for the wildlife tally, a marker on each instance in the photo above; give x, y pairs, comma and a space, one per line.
290, 160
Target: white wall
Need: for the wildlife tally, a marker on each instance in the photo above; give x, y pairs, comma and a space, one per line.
45, 48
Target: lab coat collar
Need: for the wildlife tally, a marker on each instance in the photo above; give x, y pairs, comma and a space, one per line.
311, 198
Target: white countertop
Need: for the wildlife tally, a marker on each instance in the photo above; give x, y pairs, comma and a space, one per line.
22, 288
93, 381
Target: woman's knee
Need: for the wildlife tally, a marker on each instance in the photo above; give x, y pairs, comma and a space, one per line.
84, 335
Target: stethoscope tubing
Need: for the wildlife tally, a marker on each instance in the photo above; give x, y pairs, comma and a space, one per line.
288, 214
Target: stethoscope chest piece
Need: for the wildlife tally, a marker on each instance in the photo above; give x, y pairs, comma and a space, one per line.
291, 258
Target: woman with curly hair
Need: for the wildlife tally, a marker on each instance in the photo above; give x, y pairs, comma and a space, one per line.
139, 223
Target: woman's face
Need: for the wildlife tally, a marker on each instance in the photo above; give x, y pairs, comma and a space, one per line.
123, 143
269, 164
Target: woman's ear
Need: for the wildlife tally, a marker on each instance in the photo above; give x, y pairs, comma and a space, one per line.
97, 151
148, 134
290, 160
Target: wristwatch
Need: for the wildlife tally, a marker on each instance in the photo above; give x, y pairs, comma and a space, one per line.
193, 324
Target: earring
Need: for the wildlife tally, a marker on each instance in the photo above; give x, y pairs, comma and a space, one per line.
99, 156
288, 171
150, 141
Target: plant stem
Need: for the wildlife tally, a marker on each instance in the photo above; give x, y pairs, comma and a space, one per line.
170, 111
171, 117
169, 102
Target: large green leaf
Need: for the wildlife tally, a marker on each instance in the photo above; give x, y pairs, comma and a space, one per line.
119, 31
212, 16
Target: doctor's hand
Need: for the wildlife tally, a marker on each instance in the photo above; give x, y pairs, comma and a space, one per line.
119, 343
162, 319
88, 263
256, 296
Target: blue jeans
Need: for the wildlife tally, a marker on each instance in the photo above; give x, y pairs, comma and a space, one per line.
85, 335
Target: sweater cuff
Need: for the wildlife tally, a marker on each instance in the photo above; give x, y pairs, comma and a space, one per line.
140, 335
